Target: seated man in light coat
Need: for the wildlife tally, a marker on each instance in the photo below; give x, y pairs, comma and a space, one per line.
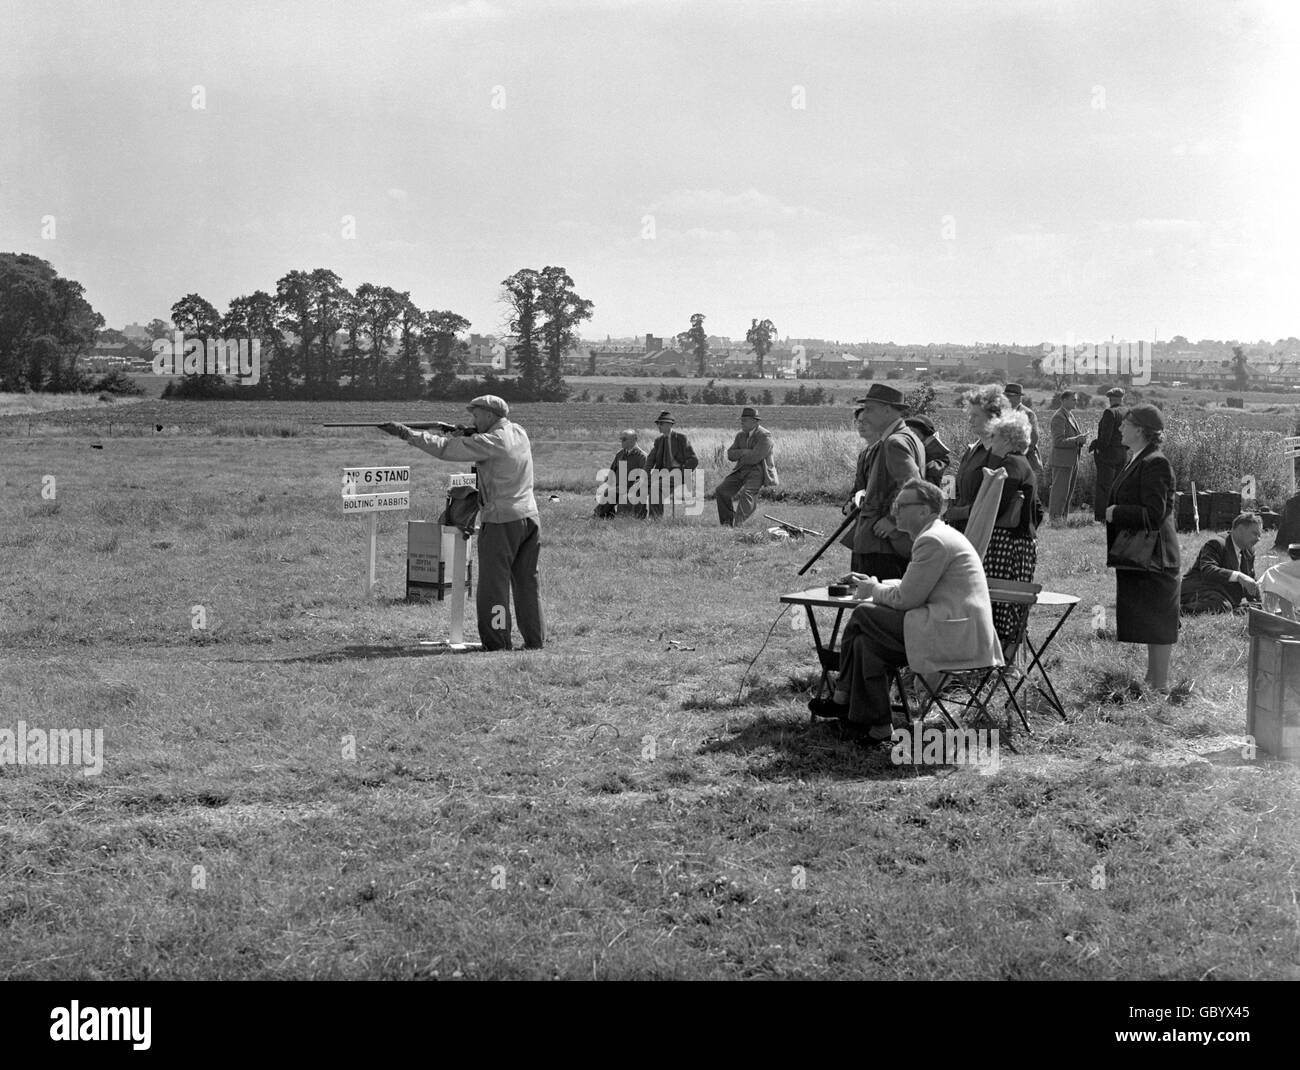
938, 616
755, 468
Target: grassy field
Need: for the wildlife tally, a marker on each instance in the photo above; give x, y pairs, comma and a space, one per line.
298, 790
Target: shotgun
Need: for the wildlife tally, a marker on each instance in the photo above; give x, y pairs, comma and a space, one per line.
453, 430
827, 544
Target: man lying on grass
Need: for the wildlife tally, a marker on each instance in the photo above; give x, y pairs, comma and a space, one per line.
938, 616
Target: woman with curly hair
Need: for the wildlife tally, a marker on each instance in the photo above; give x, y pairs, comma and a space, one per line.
985, 404
1012, 552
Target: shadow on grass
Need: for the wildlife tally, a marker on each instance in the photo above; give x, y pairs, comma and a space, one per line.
782, 749
364, 652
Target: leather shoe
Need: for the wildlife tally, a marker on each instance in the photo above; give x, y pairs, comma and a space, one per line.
825, 707
868, 734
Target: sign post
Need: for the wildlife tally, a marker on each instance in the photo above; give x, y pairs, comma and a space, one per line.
1291, 450
373, 491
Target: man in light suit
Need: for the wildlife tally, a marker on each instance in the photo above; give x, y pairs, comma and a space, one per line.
755, 468
1067, 441
938, 616
1224, 574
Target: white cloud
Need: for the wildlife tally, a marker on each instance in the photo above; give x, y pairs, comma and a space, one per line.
1169, 226
472, 9
749, 204
398, 194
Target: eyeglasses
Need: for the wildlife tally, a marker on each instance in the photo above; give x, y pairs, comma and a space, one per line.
898, 504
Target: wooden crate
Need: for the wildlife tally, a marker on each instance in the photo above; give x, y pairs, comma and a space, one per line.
1273, 697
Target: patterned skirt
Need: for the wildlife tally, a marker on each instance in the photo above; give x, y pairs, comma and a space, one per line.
1009, 557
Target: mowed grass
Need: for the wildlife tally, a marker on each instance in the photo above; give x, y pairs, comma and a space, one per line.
608, 807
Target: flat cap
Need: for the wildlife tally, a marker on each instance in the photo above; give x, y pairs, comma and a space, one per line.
490, 402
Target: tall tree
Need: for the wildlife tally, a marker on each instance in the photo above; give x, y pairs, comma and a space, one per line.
327, 299
353, 318
198, 318
380, 307
251, 318
564, 309
696, 341
157, 328
410, 334
440, 330
1240, 368
520, 293
760, 336
293, 299
45, 324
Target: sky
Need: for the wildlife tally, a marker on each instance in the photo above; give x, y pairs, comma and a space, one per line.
911, 172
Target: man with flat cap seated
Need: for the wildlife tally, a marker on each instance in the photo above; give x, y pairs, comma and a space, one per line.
1223, 577
1108, 451
671, 454
619, 497
938, 616
737, 495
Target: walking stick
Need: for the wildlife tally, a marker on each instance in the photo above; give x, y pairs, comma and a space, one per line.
827, 544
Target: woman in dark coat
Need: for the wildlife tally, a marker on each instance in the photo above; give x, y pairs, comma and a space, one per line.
1142, 496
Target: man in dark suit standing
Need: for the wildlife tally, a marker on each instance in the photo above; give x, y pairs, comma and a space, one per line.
1224, 574
880, 547
1108, 452
672, 455
1067, 441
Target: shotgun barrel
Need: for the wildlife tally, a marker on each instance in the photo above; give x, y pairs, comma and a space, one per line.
827, 544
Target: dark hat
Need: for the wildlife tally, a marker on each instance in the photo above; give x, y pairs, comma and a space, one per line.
749, 411
887, 395
1146, 415
1012, 388
1114, 392
665, 417
921, 423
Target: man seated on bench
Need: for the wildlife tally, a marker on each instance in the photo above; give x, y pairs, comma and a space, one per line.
938, 616
1223, 577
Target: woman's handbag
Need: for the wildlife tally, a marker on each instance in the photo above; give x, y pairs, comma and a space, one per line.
1139, 550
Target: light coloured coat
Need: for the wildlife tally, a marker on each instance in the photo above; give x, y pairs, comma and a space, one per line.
944, 598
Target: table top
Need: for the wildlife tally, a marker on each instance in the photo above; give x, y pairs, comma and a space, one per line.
818, 596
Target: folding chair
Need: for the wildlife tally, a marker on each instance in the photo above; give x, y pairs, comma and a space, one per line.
980, 686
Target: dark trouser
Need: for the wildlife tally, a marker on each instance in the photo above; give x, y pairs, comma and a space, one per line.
664, 482
1062, 492
1205, 600
609, 510
871, 646
1106, 474
737, 495
882, 566
507, 561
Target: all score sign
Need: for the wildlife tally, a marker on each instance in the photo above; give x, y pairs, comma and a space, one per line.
373, 490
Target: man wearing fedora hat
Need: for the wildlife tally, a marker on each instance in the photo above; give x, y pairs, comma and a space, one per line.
669, 457
880, 547
510, 539
1067, 441
755, 468
1108, 451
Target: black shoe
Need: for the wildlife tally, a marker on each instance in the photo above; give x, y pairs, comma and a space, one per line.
825, 707
868, 735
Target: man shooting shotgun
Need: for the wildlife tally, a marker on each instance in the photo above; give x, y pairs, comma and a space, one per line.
510, 538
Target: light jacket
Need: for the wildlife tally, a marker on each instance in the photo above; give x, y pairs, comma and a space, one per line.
944, 598
753, 450
1067, 439
502, 457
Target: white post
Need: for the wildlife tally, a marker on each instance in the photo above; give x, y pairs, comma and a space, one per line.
1196, 513
374, 535
456, 624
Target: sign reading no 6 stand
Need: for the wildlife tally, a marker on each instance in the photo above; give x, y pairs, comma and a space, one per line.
374, 490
